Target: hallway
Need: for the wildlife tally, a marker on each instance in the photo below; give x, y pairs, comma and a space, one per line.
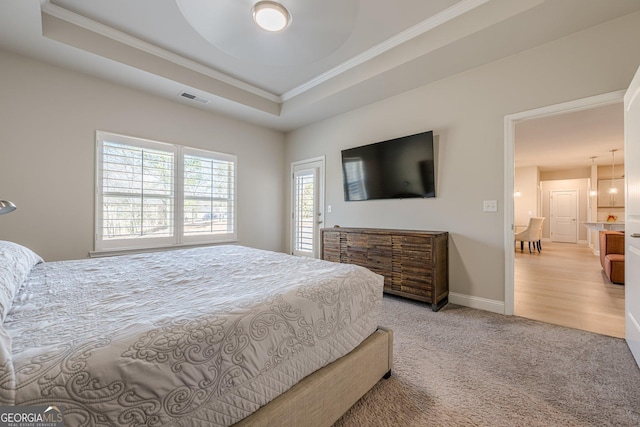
565, 285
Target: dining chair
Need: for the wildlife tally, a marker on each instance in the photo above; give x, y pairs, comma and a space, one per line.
532, 234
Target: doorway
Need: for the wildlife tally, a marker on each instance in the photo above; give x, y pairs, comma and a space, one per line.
307, 216
510, 138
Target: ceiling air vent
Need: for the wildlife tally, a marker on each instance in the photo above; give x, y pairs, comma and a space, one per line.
195, 98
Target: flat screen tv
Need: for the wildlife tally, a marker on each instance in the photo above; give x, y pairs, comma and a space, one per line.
395, 169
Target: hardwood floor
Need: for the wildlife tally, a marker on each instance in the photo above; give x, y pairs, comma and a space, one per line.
565, 285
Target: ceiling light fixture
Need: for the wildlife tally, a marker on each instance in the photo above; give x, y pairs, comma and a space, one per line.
271, 16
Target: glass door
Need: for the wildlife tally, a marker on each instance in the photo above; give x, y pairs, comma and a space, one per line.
307, 206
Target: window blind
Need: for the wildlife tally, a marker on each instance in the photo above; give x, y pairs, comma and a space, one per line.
138, 194
304, 212
209, 186
151, 194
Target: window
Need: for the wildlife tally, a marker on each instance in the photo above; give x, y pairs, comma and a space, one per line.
304, 210
307, 214
152, 194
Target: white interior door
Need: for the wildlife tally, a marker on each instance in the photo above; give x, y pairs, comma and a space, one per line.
307, 205
632, 215
564, 216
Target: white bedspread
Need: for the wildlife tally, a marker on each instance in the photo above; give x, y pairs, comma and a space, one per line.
192, 337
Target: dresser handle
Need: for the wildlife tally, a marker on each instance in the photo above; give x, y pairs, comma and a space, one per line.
635, 235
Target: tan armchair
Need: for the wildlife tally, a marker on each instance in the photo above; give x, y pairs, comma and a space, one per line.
532, 234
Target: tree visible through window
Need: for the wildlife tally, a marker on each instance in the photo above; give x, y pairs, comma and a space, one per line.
137, 187
208, 195
154, 194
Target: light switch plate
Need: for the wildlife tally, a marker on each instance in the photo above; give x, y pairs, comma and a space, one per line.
490, 206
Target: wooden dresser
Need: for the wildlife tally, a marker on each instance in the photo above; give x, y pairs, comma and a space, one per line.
414, 263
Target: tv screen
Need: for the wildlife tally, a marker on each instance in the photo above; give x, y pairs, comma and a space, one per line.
395, 169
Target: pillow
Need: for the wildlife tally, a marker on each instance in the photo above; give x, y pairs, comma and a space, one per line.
15, 264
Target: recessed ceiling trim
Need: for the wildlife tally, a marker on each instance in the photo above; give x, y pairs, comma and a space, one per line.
317, 29
75, 36
429, 24
110, 32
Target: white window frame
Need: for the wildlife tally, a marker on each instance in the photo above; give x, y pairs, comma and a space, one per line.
178, 239
232, 216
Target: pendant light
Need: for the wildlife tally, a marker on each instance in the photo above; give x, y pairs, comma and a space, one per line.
592, 192
612, 188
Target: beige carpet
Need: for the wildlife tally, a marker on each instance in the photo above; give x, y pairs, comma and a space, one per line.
466, 367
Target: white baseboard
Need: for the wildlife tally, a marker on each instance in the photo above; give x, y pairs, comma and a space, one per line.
477, 302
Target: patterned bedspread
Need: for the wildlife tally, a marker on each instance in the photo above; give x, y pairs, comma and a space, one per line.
199, 336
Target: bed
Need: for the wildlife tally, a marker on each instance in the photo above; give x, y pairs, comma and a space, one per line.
206, 336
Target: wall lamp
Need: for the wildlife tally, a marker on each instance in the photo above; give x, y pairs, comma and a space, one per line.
6, 207
612, 188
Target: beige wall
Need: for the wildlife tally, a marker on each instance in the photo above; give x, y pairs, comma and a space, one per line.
525, 204
467, 113
47, 147
577, 173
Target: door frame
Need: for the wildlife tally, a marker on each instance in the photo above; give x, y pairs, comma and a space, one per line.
321, 198
509, 173
632, 216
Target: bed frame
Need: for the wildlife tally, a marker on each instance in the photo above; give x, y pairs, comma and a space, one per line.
324, 396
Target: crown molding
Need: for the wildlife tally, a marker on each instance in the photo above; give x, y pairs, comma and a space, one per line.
427, 25
126, 39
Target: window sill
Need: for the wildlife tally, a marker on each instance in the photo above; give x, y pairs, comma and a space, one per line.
116, 252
